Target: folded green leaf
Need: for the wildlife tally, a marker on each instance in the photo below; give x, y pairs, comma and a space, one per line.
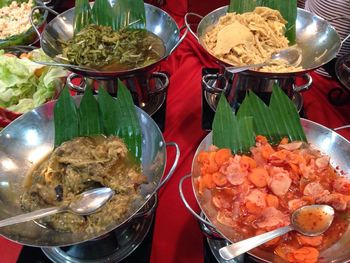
108, 112
103, 14
128, 125
287, 8
88, 112
65, 118
130, 13
286, 116
82, 15
230, 131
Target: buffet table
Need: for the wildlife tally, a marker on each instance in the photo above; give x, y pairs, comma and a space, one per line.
176, 236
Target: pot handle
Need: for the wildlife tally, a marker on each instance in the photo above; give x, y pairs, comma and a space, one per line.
77, 88
39, 7
189, 208
173, 167
341, 17
188, 24
209, 81
180, 40
305, 86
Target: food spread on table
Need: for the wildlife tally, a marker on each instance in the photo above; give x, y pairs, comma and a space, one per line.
258, 172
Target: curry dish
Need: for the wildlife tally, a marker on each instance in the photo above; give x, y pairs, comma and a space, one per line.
76, 166
258, 193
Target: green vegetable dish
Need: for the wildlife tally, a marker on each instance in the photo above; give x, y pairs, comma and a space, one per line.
25, 84
111, 38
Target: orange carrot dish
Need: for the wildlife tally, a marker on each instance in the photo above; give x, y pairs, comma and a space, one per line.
257, 193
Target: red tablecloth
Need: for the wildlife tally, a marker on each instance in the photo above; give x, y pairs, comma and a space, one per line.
176, 235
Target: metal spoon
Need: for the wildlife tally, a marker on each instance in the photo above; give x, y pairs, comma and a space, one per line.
84, 204
311, 220
291, 55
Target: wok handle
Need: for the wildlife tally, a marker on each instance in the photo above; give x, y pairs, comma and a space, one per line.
179, 42
173, 167
305, 86
32, 14
188, 24
189, 208
347, 17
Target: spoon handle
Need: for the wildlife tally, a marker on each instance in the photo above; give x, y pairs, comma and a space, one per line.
231, 251
244, 68
30, 216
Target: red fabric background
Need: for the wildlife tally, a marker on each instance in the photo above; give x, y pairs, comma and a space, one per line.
176, 235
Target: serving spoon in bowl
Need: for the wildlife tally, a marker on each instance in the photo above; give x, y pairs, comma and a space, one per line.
86, 203
311, 220
291, 56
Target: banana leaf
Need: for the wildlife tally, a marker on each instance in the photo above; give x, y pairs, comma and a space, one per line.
130, 14
82, 15
287, 8
66, 120
103, 14
278, 120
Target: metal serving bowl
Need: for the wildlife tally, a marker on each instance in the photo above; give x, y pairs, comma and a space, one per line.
317, 39
29, 36
326, 140
29, 138
60, 29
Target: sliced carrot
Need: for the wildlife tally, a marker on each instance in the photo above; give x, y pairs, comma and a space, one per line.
208, 181
309, 241
25, 55
252, 208
203, 157
222, 156
258, 176
8, 55
272, 200
266, 151
262, 139
248, 162
305, 254
201, 185
212, 167
219, 179
284, 140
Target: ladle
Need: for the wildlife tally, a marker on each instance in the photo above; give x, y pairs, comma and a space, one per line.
292, 57
311, 220
84, 204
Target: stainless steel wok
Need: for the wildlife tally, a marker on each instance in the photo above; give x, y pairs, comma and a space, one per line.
317, 39
29, 138
329, 142
60, 29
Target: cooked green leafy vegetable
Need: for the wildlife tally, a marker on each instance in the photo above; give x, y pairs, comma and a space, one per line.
287, 8
101, 47
278, 120
25, 84
106, 115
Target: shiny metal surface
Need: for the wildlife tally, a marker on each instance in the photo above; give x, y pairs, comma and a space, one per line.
86, 203
238, 248
112, 247
328, 142
317, 39
235, 87
29, 138
61, 29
